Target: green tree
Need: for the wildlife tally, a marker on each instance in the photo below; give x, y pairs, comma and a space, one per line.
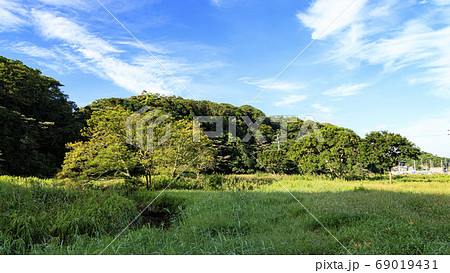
385, 149
334, 153
107, 153
36, 120
276, 161
180, 151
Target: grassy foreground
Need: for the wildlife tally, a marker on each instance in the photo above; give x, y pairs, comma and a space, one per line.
366, 217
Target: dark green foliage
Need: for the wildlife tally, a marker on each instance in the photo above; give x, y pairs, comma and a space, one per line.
231, 157
385, 149
36, 120
335, 153
276, 161
205, 182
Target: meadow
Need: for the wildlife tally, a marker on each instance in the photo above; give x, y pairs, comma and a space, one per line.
246, 214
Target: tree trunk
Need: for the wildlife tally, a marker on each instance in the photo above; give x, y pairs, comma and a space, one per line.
390, 176
148, 179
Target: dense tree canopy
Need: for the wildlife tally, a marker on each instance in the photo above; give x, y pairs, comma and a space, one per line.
107, 152
386, 149
36, 120
335, 153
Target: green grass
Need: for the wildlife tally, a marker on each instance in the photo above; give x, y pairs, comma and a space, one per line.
367, 217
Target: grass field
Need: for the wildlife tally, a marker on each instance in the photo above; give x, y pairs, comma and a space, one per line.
366, 217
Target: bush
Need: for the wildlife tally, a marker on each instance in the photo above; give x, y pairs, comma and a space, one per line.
215, 182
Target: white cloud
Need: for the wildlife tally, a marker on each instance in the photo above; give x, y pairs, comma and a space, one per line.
33, 50
345, 90
321, 108
96, 55
326, 17
276, 85
291, 99
442, 2
224, 3
66, 3
79, 38
417, 46
419, 43
78, 48
11, 16
217, 2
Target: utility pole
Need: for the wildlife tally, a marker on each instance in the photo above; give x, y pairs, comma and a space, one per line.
414, 164
278, 141
446, 166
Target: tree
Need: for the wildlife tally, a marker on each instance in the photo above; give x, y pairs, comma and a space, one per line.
180, 150
276, 161
107, 153
385, 149
334, 153
36, 120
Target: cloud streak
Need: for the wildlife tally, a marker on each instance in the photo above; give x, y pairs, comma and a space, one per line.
278, 85
419, 44
345, 90
321, 108
101, 57
290, 100
11, 16
320, 15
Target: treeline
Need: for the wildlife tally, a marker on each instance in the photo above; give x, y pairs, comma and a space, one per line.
425, 161
310, 148
36, 121
41, 134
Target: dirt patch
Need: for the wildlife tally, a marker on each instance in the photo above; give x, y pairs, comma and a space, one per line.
156, 216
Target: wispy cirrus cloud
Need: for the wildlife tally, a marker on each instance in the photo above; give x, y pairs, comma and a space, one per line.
66, 3
277, 85
321, 108
223, 3
320, 15
32, 50
102, 57
290, 100
12, 16
417, 43
345, 90
75, 47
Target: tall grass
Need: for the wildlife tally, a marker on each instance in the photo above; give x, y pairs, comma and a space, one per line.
35, 212
210, 182
367, 217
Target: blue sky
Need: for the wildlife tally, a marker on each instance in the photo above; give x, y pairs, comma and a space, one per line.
369, 66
